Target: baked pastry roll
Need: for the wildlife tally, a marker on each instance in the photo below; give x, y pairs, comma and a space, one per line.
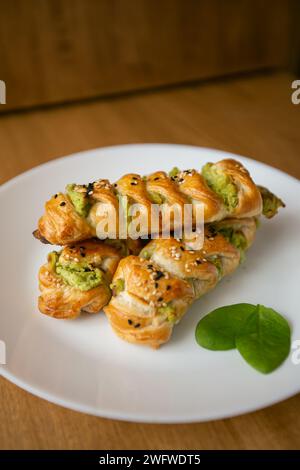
225, 189
77, 279
146, 302
152, 292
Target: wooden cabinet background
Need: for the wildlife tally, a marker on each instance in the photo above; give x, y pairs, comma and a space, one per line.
61, 50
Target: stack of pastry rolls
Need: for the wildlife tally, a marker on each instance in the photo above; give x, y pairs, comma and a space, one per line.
151, 292
145, 290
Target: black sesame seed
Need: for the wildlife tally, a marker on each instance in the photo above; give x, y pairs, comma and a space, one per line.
137, 325
159, 274
157, 178
90, 187
160, 299
55, 196
129, 322
115, 185
133, 183
83, 255
150, 266
168, 287
198, 261
134, 178
212, 231
182, 249
156, 285
62, 203
72, 247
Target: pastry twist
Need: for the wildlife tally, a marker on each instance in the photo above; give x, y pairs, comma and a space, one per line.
225, 189
152, 292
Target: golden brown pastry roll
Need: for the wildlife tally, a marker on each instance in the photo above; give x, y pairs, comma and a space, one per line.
149, 296
77, 279
225, 190
146, 302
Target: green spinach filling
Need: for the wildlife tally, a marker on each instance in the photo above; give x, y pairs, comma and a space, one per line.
81, 275
222, 184
271, 203
80, 200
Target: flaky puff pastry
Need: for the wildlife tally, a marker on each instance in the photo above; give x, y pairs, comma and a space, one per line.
193, 185
203, 268
190, 265
146, 302
249, 199
61, 298
225, 189
146, 294
61, 225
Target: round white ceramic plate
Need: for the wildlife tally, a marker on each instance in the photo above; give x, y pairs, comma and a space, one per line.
82, 365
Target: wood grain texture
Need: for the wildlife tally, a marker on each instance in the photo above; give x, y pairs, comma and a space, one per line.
53, 51
251, 116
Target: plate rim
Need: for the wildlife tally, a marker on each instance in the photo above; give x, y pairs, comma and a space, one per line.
51, 162
143, 419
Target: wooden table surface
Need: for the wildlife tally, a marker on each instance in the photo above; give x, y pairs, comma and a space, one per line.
252, 116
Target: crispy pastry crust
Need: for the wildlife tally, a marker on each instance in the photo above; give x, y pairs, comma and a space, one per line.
134, 313
60, 300
249, 197
194, 186
167, 273
61, 225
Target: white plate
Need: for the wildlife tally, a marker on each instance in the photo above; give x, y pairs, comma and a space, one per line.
82, 365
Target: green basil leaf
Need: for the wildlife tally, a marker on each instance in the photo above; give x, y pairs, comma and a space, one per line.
218, 330
264, 340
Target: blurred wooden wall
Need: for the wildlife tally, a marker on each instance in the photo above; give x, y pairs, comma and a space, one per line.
61, 50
